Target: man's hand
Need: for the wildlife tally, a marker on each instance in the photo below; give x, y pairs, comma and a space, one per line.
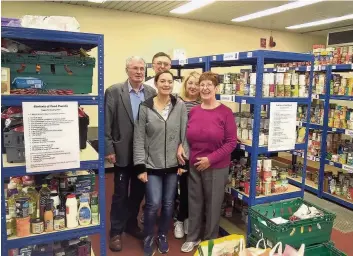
111, 158
181, 155
202, 164
181, 171
143, 177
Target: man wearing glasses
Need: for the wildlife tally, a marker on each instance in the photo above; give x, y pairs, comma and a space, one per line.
161, 62
121, 108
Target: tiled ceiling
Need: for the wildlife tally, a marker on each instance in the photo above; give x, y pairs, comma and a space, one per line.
224, 11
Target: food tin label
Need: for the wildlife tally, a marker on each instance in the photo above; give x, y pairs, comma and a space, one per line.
59, 223
22, 207
37, 227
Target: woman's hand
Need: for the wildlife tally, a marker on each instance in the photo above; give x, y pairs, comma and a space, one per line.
143, 177
202, 164
181, 155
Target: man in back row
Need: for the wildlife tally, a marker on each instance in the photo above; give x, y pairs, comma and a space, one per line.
162, 62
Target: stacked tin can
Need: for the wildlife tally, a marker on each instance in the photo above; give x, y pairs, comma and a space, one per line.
341, 86
340, 117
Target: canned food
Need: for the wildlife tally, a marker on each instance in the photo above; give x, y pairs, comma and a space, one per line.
22, 207
37, 226
267, 188
280, 90
287, 90
59, 222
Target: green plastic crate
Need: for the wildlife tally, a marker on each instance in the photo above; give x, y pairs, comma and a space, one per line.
68, 72
326, 249
311, 231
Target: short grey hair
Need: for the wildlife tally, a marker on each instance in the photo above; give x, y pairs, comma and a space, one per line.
130, 59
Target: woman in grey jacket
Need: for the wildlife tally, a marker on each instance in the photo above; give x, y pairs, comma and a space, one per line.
159, 130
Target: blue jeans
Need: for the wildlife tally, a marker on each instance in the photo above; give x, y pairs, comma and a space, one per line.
159, 189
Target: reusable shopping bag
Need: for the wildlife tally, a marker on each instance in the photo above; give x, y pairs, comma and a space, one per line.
224, 246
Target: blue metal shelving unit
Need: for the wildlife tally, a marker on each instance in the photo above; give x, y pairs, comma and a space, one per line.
46, 39
257, 59
325, 130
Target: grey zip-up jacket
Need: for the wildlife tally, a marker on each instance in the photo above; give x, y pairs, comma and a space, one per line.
156, 140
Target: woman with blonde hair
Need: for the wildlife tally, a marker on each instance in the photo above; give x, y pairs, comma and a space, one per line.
190, 94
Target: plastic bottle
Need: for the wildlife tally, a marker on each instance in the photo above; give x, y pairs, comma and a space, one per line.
44, 195
95, 208
84, 212
49, 216
71, 211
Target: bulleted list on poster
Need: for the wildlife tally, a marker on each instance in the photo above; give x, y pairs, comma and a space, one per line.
51, 133
282, 132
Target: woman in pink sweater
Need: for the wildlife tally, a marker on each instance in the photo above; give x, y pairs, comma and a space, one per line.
211, 134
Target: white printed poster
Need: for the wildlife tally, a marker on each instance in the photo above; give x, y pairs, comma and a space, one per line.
51, 131
282, 132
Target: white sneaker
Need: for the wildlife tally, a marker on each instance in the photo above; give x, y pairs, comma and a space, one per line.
179, 229
189, 246
186, 226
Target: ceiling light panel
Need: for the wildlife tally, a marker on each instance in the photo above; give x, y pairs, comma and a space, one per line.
278, 9
191, 6
322, 22
96, 1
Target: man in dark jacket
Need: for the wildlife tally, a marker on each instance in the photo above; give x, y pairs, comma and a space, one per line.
121, 108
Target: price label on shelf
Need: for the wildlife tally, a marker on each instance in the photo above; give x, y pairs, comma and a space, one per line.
323, 67
317, 159
265, 69
243, 101
308, 68
200, 59
228, 98
333, 67
231, 56
300, 124
242, 147
249, 54
332, 163
317, 68
183, 61
214, 57
281, 69
349, 132
347, 168
315, 96
334, 129
240, 196
295, 153
296, 69
351, 66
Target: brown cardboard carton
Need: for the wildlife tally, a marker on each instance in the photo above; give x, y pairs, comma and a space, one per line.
5, 80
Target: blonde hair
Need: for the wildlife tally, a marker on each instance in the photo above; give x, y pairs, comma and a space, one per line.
183, 93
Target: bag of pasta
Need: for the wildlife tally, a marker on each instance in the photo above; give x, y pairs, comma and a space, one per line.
224, 246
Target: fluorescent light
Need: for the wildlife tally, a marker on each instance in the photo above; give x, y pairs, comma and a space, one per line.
97, 1
322, 22
191, 6
278, 9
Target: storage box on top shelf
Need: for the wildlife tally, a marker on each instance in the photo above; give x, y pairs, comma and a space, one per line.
292, 222
66, 74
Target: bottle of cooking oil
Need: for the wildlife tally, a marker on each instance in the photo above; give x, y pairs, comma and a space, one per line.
33, 201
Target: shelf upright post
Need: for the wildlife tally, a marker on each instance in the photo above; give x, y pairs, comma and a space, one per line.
256, 129
207, 66
101, 144
323, 148
307, 127
3, 214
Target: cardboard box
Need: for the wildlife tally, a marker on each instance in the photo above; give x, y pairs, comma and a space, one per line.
5, 80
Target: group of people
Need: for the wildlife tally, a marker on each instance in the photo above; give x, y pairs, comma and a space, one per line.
160, 132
